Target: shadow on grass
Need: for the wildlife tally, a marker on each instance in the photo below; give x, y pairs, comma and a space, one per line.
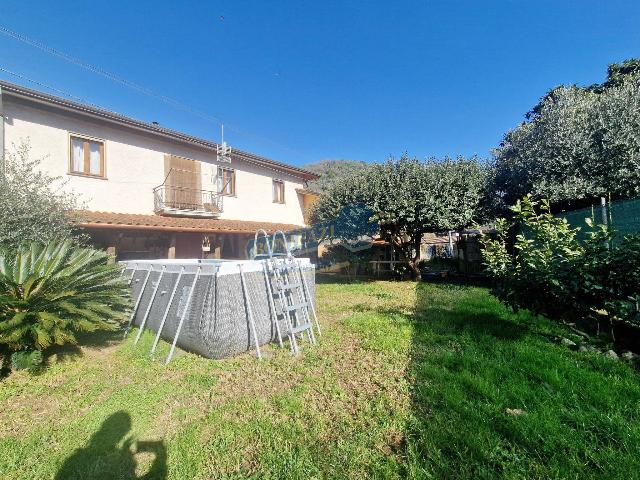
110, 454
476, 324
492, 398
457, 280
455, 330
339, 279
97, 339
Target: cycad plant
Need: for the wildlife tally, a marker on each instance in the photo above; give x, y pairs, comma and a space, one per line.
49, 292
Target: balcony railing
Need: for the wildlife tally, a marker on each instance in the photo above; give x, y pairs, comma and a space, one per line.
183, 201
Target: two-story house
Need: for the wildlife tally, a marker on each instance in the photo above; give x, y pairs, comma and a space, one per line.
151, 192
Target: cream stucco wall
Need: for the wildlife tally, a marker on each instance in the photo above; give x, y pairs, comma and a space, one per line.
134, 164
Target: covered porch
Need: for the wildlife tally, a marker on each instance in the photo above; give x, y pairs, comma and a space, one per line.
140, 237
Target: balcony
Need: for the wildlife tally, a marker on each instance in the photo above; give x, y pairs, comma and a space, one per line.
186, 202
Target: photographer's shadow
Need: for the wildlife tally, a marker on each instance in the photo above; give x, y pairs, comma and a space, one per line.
102, 458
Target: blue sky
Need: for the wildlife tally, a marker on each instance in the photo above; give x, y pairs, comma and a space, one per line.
301, 81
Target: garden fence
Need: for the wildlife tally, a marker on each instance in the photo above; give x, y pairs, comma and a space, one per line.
623, 216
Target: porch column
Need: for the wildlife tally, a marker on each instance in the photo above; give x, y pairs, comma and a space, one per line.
171, 253
216, 246
111, 252
241, 246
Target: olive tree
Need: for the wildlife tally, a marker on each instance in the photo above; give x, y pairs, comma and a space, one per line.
577, 143
405, 198
35, 206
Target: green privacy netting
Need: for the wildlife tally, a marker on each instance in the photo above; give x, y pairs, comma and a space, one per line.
623, 216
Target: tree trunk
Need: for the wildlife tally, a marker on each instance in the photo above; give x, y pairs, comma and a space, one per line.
410, 253
416, 240
415, 271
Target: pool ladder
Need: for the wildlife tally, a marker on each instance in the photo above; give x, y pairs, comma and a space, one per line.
285, 281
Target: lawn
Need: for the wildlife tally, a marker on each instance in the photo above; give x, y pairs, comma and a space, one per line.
409, 380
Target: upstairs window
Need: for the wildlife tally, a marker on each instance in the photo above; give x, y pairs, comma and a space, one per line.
278, 191
226, 181
87, 157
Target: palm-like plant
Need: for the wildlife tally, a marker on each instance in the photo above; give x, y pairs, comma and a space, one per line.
48, 292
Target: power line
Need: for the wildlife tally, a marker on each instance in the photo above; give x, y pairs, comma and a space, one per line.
44, 85
106, 74
129, 84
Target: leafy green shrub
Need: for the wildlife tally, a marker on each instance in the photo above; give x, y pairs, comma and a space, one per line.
25, 360
50, 292
549, 271
609, 276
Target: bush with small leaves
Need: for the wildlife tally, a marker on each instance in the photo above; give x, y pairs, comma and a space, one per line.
36, 207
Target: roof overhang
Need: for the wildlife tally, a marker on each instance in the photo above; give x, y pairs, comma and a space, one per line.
158, 223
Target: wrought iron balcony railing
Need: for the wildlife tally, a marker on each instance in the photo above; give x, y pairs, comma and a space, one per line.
183, 201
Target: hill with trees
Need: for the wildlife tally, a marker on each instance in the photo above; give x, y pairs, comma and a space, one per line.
332, 170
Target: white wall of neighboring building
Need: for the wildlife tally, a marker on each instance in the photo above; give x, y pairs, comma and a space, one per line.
134, 165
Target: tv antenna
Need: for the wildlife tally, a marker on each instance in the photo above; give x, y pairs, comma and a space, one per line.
223, 150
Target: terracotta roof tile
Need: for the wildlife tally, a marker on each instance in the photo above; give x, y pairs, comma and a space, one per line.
433, 238
90, 219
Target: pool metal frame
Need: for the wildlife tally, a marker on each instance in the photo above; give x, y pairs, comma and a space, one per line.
272, 264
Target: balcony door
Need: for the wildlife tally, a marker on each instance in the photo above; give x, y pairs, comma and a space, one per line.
183, 182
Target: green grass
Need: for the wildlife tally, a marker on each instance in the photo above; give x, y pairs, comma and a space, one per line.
410, 380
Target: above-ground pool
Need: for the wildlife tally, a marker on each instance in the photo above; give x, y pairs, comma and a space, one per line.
218, 311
